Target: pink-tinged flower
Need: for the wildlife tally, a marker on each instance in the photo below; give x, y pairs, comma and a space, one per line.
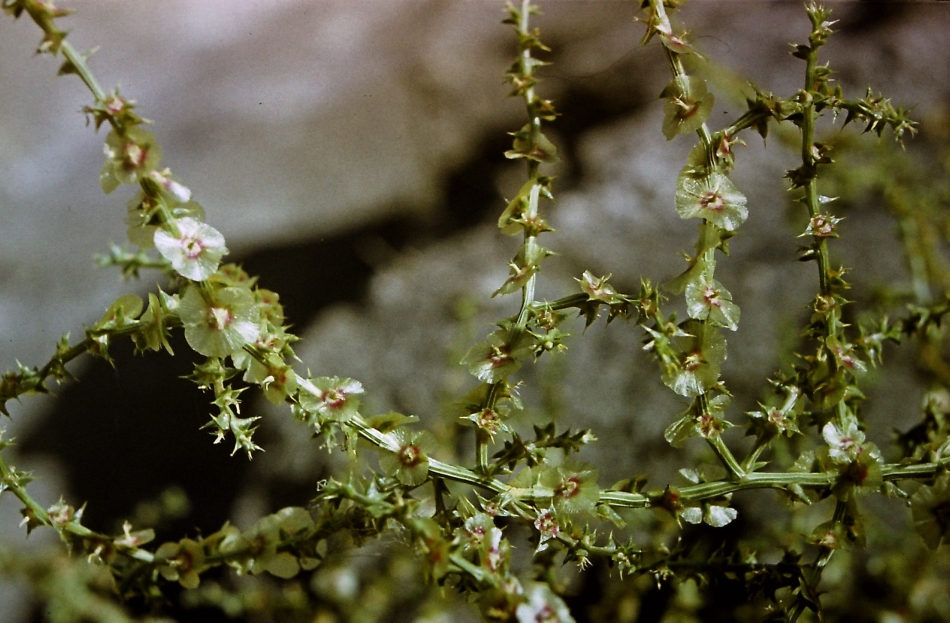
497, 358
712, 197
547, 526
858, 463
195, 252
219, 322
129, 158
494, 551
830, 535
489, 420
172, 189
134, 539
277, 380
332, 397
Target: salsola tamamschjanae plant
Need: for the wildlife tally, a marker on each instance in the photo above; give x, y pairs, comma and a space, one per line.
808, 439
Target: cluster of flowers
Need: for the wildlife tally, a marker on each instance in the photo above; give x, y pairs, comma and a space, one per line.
239, 327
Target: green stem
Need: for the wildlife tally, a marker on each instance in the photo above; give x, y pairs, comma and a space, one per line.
726, 457
60, 359
82, 70
530, 244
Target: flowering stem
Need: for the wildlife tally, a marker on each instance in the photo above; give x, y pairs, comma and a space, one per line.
438, 468
662, 23
529, 248
811, 199
676, 63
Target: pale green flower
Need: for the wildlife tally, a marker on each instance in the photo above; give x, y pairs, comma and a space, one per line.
707, 298
930, 507
712, 197
575, 487
332, 397
497, 358
410, 463
142, 220
129, 158
220, 322
700, 353
687, 106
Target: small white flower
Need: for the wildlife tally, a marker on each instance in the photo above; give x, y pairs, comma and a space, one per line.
845, 445
195, 252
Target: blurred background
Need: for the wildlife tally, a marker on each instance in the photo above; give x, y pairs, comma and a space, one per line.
351, 154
